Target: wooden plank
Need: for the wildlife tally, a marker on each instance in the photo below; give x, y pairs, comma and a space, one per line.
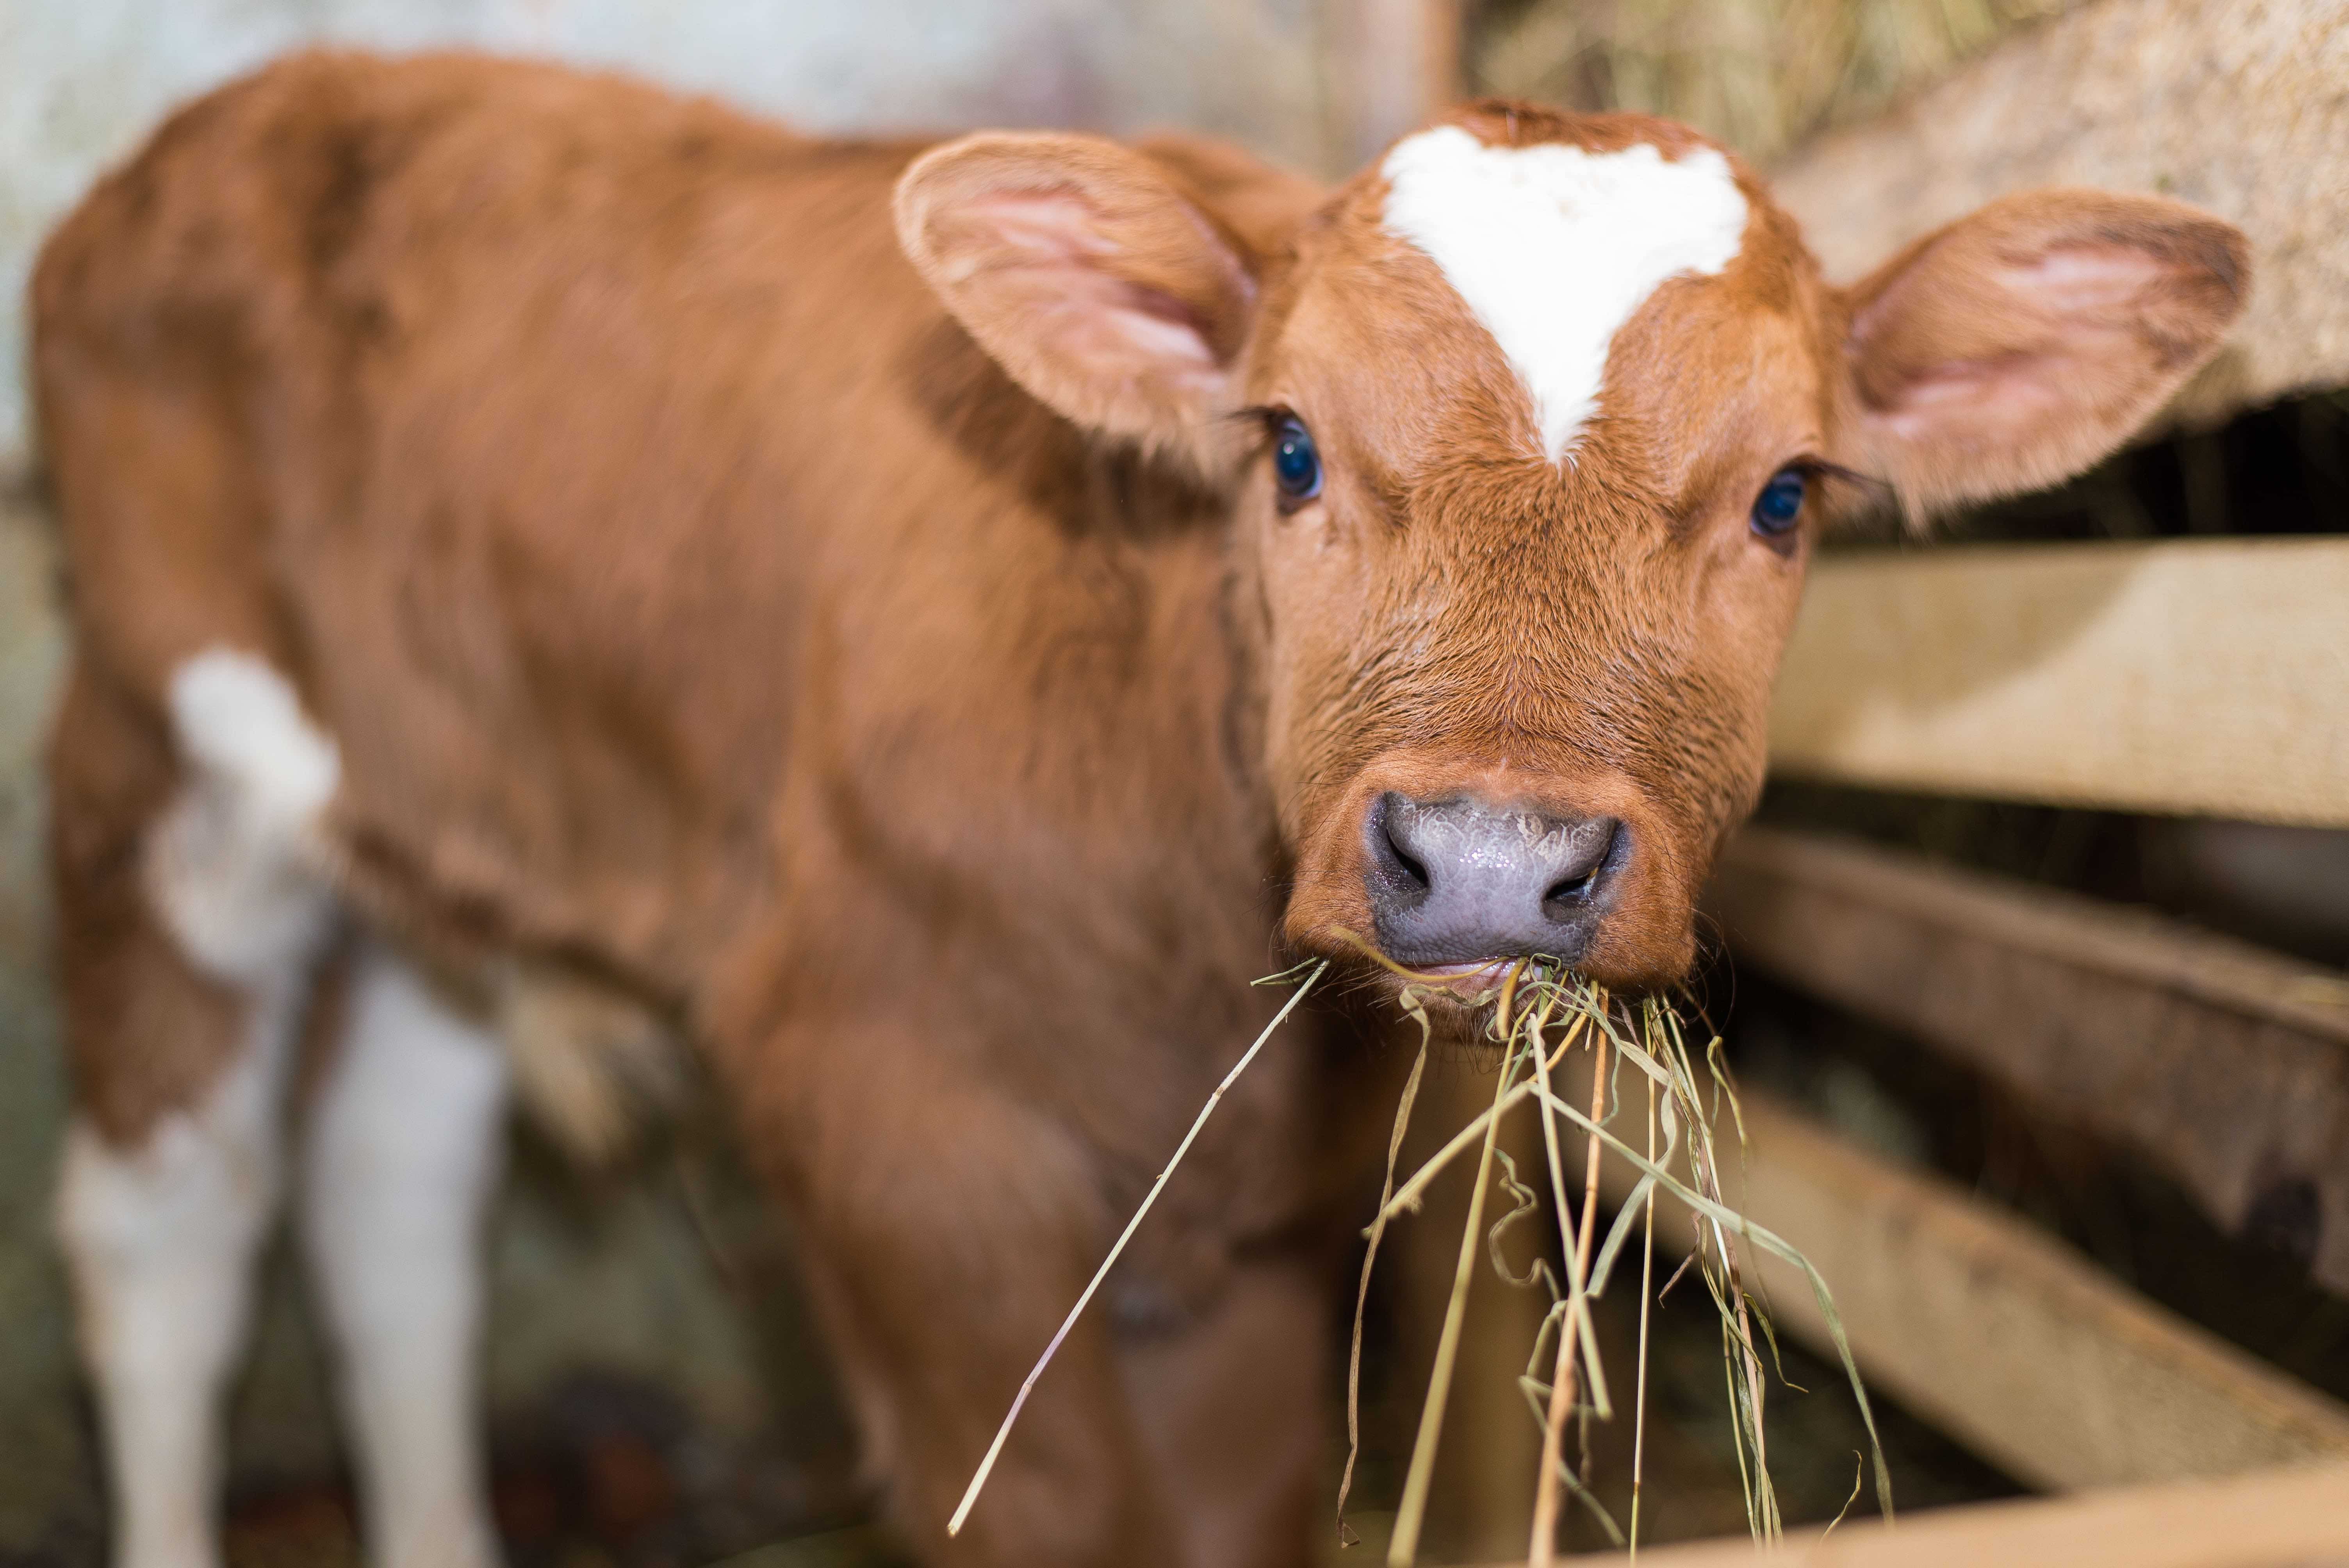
2296, 1518
1999, 1335
2225, 1065
2199, 677
2240, 109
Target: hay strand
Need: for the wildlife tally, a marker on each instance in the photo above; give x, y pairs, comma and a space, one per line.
1402, 1547
1723, 1218
1369, 1256
1647, 1300
1652, 1044
1544, 1545
1681, 1114
1408, 1195
987, 1465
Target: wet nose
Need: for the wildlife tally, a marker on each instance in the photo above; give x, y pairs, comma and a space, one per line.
1461, 881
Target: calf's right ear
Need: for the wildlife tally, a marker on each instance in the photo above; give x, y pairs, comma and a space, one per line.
2016, 346
1089, 276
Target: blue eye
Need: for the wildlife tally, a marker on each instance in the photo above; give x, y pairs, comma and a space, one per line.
1780, 503
1296, 466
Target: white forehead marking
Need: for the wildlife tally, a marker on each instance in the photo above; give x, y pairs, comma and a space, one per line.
1555, 248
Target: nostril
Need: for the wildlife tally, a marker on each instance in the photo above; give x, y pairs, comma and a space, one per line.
1407, 863
1575, 890
1399, 868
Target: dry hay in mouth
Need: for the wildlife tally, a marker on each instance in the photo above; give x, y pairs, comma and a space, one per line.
1540, 1012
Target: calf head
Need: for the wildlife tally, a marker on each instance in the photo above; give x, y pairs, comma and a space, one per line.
1529, 430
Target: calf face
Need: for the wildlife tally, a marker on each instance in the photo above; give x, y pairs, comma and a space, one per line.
1529, 430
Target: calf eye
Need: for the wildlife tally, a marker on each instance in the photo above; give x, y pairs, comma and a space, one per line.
1780, 503
1296, 466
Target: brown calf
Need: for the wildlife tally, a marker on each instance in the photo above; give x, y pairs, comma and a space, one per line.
543, 557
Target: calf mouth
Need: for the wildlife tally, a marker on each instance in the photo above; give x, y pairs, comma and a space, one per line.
1472, 990
1478, 982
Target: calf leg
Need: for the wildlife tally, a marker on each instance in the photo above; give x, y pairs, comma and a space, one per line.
401, 1157
160, 1235
948, 1229
1230, 1406
187, 923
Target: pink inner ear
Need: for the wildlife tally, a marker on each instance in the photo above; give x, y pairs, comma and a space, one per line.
1115, 327
1159, 324
2068, 304
1057, 223
2082, 280
1056, 237
2009, 392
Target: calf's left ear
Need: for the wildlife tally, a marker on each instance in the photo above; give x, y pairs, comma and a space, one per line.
1089, 276
2016, 346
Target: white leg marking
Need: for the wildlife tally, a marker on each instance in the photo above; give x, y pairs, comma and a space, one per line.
1555, 248
401, 1157
161, 1239
235, 865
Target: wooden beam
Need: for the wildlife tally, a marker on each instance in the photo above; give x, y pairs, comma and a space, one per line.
2227, 1067
2200, 677
2241, 109
2295, 1518
1997, 1334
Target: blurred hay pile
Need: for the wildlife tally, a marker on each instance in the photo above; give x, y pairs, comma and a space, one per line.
1759, 75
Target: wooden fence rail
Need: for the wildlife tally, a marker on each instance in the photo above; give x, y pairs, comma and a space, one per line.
1998, 1334
2296, 1518
2198, 677
2226, 1065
